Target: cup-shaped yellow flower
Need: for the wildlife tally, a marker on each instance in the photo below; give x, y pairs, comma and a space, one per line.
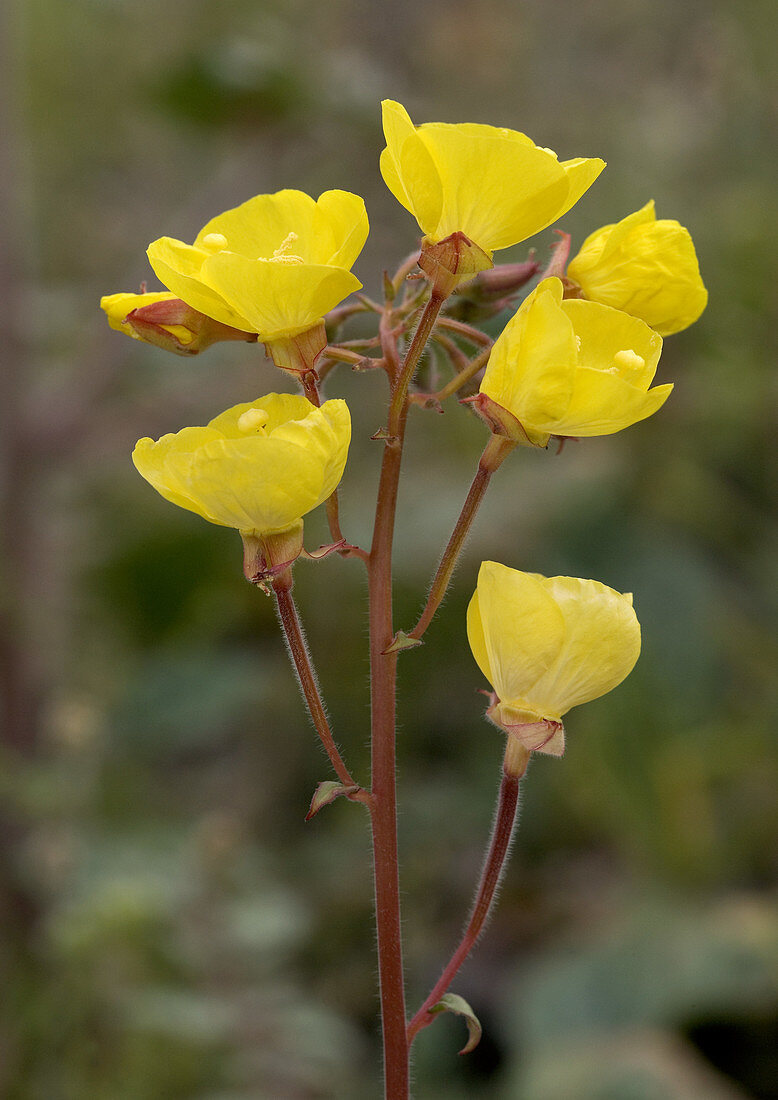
164, 320
547, 644
645, 266
494, 185
272, 266
258, 467
569, 368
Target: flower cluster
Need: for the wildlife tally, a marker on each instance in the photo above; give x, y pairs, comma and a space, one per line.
577, 358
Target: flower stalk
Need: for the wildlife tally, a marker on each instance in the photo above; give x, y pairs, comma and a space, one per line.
494, 453
494, 866
301, 659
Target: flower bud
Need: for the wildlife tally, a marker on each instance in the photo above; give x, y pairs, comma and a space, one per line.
646, 267
167, 322
491, 291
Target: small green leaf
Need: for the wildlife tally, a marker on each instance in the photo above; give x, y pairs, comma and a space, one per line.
401, 641
327, 792
452, 1002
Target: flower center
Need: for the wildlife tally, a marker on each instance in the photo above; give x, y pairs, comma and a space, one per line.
253, 420
214, 242
283, 254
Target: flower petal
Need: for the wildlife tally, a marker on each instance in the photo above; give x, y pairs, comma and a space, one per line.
408, 169
603, 403
523, 630
178, 266
261, 225
601, 644
340, 229
603, 332
531, 368
277, 299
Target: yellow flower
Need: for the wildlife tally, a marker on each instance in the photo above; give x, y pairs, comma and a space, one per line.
571, 368
273, 266
258, 467
646, 267
547, 644
494, 185
164, 320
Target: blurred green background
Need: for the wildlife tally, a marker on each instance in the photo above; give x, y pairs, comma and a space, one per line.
171, 927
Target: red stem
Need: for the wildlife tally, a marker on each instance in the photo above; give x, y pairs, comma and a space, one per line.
383, 805
426, 323
494, 452
298, 651
499, 845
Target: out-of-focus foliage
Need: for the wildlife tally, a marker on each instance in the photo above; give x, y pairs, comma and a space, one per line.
171, 928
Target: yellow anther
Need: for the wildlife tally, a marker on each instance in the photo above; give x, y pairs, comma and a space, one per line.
214, 242
253, 420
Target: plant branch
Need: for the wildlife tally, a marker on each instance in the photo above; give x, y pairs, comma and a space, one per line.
499, 846
298, 651
398, 405
468, 372
494, 453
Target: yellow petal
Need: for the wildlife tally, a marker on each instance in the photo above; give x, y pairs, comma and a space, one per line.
259, 226
179, 267
340, 229
259, 481
117, 306
646, 267
277, 299
280, 407
496, 189
408, 169
603, 332
151, 457
603, 403
521, 633
532, 364
494, 185
601, 644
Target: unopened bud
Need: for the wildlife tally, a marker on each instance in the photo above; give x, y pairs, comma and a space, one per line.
167, 322
491, 291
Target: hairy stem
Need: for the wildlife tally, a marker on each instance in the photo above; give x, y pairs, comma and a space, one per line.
427, 320
499, 845
383, 805
298, 651
494, 453
465, 374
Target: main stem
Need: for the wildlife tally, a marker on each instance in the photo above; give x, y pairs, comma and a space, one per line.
383, 681
504, 822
